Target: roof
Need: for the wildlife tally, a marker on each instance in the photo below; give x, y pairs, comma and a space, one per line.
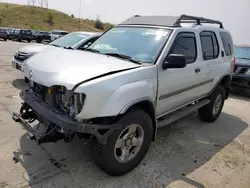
88, 33
242, 46
150, 20
168, 21
59, 31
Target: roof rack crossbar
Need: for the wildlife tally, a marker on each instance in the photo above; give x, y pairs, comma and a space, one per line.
193, 19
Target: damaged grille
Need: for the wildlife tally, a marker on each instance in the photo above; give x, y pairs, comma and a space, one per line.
59, 97
51, 96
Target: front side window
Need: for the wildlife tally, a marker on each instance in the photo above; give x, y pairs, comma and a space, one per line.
141, 44
209, 44
69, 40
185, 44
242, 52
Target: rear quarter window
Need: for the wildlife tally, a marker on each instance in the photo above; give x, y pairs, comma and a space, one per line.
227, 43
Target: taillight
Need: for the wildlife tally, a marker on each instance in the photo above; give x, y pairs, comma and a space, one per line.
233, 64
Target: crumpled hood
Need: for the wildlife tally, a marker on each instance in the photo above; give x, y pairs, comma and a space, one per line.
57, 66
35, 48
242, 62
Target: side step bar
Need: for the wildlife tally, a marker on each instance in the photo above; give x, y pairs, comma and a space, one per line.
183, 112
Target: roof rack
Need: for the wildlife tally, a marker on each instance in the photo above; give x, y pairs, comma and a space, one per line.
168, 21
193, 19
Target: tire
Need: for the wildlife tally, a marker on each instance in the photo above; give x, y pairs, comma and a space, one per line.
5, 39
28, 41
105, 156
207, 113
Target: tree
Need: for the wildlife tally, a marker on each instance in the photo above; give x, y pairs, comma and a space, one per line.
50, 19
72, 16
1, 20
99, 24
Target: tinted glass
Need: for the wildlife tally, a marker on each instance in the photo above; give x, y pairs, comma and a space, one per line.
69, 40
140, 43
242, 52
210, 47
227, 43
185, 43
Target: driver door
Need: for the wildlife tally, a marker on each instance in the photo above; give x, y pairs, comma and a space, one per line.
178, 87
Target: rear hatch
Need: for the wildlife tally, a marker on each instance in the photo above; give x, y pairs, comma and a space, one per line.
3, 33
26, 34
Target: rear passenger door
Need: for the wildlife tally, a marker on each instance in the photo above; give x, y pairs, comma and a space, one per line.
212, 57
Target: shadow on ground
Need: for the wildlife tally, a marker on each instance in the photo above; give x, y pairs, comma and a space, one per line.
178, 150
19, 84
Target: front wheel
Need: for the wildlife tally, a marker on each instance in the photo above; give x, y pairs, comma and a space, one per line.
125, 148
211, 111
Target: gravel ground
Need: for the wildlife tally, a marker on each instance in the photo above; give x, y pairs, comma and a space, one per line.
187, 154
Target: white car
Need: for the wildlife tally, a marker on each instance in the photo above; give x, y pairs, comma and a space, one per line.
56, 34
142, 74
74, 40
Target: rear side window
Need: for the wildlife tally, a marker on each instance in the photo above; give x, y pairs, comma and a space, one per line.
185, 44
209, 44
227, 43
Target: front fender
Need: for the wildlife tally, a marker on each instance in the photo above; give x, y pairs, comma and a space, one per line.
104, 104
127, 95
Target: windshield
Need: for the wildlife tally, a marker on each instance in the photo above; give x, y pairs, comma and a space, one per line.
242, 52
140, 43
69, 40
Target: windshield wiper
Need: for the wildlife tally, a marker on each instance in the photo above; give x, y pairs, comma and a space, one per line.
56, 45
123, 57
68, 48
92, 50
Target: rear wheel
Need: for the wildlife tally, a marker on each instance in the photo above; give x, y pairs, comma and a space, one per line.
212, 111
5, 39
125, 148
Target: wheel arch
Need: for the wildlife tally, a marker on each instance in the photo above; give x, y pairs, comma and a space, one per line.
148, 106
224, 81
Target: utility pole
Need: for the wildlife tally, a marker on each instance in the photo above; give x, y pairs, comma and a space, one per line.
80, 7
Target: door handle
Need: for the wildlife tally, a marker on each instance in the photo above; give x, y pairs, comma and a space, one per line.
197, 70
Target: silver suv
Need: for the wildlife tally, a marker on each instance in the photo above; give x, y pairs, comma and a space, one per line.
143, 74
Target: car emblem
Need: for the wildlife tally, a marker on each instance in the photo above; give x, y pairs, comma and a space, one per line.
30, 73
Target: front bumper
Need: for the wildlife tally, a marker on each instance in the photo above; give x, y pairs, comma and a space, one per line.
17, 64
241, 81
46, 114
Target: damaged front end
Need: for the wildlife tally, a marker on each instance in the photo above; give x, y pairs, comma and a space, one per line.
56, 108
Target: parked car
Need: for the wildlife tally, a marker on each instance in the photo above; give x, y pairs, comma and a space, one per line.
57, 34
241, 77
75, 40
25, 34
43, 37
4, 34
143, 74
14, 35
36, 34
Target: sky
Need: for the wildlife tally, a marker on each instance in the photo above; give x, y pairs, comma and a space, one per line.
234, 14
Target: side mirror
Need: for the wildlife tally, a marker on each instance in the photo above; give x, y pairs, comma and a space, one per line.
174, 61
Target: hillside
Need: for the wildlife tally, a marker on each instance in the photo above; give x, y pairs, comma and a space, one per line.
36, 18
